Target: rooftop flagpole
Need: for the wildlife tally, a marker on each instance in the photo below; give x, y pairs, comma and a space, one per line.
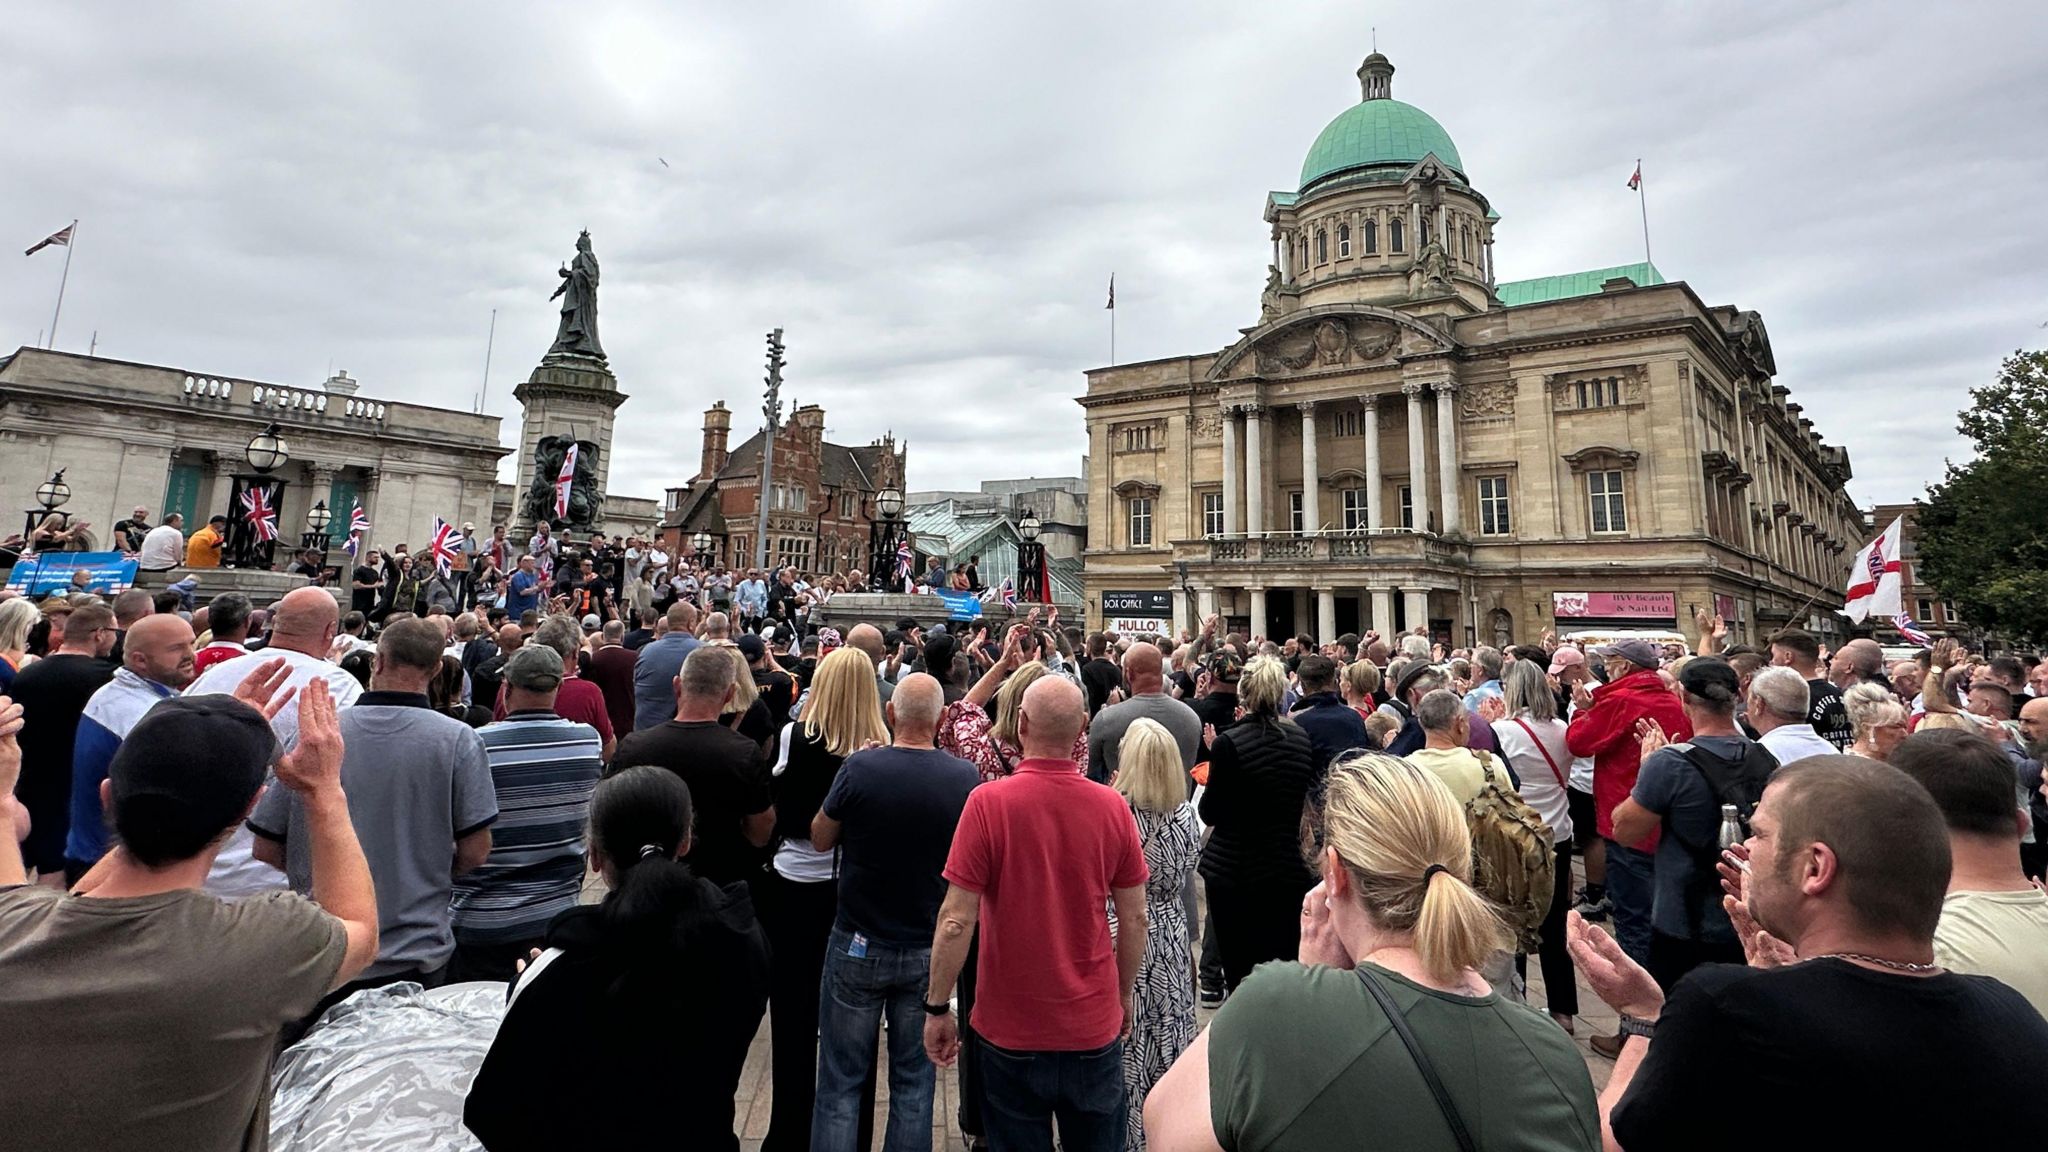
1643, 200
1112, 319
70, 242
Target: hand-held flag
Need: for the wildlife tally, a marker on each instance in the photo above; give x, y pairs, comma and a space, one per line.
1874, 577
564, 481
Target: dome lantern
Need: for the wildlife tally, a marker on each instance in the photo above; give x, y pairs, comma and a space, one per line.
1376, 77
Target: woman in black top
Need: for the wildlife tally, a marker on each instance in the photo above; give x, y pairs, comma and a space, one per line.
1261, 772
798, 897
444, 692
631, 1030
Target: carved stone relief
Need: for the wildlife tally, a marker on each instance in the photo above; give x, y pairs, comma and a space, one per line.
1333, 342
1208, 425
1487, 401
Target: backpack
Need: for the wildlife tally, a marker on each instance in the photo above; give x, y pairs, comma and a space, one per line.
1513, 862
1738, 782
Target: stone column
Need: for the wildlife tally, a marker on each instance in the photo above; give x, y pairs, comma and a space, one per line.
1254, 469
1418, 456
1383, 614
1205, 602
1415, 602
1233, 490
1373, 481
1258, 611
319, 487
1183, 608
1326, 615
1447, 453
372, 480
1311, 485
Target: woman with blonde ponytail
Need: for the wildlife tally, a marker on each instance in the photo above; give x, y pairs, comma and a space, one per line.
1386, 995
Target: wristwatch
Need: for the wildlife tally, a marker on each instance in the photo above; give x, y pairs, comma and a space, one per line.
939, 1009
1637, 1026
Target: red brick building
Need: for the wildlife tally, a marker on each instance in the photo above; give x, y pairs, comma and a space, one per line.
822, 501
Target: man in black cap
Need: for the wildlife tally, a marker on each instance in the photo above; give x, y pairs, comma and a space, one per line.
1680, 792
164, 1038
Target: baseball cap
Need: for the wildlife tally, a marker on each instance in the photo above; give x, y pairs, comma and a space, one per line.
534, 668
751, 646
190, 767
829, 639
1225, 666
1565, 658
1710, 678
591, 623
1637, 652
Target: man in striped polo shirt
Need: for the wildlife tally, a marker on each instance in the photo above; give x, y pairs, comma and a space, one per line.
545, 769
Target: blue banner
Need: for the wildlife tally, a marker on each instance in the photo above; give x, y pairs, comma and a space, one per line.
960, 605
47, 572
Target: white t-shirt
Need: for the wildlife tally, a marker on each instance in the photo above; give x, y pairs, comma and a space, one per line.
1540, 786
236, 871
1998, 934
163, 547
1790, 742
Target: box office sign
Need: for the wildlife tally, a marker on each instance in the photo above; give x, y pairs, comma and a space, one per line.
1137, 612
1614, 605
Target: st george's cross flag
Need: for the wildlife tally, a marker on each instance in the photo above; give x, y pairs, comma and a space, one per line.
61, 238
261, 514
563, 481
1874, 577
446, 541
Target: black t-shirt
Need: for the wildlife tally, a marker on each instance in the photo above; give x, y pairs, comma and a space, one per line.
363, 599
1217, 708
637, 639
1827, 1054
778, 693
897, 809
592, 595
727, 783
52, 693
1829, 719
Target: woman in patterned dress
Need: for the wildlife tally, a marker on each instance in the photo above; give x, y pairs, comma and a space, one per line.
1149, 776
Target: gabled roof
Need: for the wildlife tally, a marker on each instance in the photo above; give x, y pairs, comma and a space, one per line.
839, 466
1544, 289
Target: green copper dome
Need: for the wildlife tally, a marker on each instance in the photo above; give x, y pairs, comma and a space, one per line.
1378, 132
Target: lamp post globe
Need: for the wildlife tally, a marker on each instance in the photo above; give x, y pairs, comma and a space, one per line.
53, 493
1028, 527
701, 542
266, 451
889, 502
319, 517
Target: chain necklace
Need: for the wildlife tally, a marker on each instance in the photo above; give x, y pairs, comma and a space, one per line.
1881, 962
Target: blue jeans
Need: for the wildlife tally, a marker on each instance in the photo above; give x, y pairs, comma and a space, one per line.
1022, 1092
855, 993
1632, 889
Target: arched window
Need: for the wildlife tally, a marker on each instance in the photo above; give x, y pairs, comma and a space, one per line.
1372, 237
1422, 232
1464, 243
1343, 241
1395, 238
1322, 246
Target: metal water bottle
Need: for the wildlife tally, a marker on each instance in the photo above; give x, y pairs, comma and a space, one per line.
1731, 827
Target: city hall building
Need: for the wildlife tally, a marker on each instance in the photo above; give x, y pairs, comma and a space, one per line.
1402, 440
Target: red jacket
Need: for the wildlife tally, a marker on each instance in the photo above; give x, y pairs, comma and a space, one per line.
1607, 733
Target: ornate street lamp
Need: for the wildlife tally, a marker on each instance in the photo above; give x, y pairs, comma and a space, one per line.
317, 537
882, 538
1031, 582
701, 543
267, 452
51, 495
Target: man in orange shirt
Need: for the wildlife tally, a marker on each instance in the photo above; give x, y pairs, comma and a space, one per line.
203, 549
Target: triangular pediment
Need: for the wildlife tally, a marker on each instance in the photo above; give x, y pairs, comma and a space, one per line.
1327, 337
1431, 170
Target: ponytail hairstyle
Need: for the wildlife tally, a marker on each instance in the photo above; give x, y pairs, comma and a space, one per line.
639, 819
1402, 838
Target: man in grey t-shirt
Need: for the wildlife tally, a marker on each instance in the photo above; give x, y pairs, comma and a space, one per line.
1145, 676
421, 799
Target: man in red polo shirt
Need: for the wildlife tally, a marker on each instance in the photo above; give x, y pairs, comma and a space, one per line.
1035, 857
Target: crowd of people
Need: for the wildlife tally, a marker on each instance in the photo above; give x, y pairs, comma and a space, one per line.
1016, 847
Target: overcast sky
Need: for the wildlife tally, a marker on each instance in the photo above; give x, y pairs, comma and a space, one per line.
929, 197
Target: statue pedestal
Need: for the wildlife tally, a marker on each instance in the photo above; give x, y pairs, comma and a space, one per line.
572, 397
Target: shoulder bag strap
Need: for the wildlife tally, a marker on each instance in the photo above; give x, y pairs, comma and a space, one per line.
1533, 738
1436, 1085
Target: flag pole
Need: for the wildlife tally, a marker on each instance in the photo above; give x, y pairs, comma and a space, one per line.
1112, 319
61, 281
1643, 199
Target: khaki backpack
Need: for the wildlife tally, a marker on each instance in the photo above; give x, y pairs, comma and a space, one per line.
1513, 862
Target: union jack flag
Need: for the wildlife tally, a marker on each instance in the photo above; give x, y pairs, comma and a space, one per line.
358, 523
1004, 593
1911, 632
906, 563
260, 513
447, 538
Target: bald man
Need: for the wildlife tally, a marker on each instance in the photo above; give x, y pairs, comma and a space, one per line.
489, 676
891, 814
1859, 661
1036, 855
302, 630
156, 663
868, 639
1145, 678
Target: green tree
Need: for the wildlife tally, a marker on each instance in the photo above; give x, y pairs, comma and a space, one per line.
1983, 531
